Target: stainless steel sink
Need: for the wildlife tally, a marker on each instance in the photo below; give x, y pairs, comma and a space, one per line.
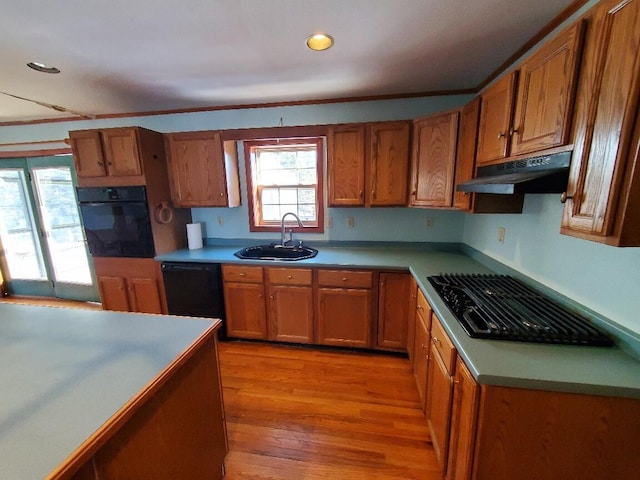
276, 252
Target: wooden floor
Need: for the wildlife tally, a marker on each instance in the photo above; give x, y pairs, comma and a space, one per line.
295, 413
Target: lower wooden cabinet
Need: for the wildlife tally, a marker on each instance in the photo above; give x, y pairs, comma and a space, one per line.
394, 310
130, 284
244, 301
464, 414
290, 304
411, 320
344, 302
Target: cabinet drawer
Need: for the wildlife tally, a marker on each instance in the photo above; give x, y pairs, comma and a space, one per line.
289, 276
238, 273
345, 279
440, 340
424, 309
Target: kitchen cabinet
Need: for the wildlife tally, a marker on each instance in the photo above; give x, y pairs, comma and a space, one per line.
115, 156
603, 192
394, 301
344, 302
290, 311
466, 397
368, 164
411, 319
245, 308
530, 109
433, 160
203, 169
440, 390
422, 344
130, 284
466, 152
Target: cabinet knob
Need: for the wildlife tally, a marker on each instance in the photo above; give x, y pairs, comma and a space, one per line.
361, 193
436, 340
222, 194
289, 277
344, 279
419, 307
513, 130
271, 297
501, 135
243, 274
564, 197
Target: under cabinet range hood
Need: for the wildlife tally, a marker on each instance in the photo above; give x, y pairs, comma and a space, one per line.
544, 174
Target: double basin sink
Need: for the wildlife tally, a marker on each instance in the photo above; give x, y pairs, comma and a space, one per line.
276, 252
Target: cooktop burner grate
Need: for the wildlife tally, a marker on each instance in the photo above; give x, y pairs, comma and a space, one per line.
501, 307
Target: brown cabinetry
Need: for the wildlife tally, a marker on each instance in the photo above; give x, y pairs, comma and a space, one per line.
115, 156
466, 396
422, 343
529, 110
440, 390
394, 302
433, 160
130, 284
244, 301
344, 308
290, 303
466, 151
368, 164
603, 194
203, 170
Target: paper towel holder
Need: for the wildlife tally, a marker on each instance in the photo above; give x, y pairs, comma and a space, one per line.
163, 213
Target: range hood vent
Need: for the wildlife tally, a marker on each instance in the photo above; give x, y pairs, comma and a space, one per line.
545, 174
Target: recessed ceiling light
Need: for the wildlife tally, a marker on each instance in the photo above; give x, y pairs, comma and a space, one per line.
319, 42
41, 67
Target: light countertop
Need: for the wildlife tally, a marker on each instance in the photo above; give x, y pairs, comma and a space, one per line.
578, 369
64, 372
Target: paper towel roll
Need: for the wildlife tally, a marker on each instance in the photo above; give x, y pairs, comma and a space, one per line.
194, 235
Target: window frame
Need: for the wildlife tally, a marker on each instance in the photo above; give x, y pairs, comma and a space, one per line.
253, 189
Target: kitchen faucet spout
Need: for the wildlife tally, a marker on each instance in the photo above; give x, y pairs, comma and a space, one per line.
284, 242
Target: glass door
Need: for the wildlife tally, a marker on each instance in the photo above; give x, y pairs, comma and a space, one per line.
45, 252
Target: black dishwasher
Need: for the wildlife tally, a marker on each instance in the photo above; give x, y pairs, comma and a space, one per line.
195, 290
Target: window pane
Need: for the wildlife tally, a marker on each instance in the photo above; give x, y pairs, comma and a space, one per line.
270, 196
307, 212
271, 213
289, 195
307, 195
307, 177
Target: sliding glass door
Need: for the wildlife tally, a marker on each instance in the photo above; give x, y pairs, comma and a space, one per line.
44, 250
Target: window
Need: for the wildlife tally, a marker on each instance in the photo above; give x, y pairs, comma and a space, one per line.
284, 175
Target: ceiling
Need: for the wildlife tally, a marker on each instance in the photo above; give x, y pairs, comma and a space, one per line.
126, 56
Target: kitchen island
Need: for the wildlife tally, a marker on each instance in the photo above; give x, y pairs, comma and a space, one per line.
94, 394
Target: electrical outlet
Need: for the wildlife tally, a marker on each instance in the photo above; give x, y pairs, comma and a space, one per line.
428, 222
329, 222
501, 233
350, 222
220, 221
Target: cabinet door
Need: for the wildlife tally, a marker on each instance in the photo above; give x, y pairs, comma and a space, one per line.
546, 91
438, 406
345, 165
197, 170
604, 182
245, 309
389, 163
411, 325
496, 111
121, 151
466, 154
145, 295
87, 153
433, 161
113, 293
421, 358
344, 317
291, 314
466, 395
394, 301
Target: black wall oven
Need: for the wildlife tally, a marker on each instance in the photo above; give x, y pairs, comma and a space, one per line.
116, 221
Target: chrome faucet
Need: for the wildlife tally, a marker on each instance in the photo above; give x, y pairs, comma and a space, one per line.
284, 243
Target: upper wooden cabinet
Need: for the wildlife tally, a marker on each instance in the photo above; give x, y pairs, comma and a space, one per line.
115, 156
603, 193
496, 112
368, 164
433, 160
203, 170
542, 93
466, 151
346, 164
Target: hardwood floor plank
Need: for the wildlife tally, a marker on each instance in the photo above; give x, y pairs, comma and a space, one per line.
299, 413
